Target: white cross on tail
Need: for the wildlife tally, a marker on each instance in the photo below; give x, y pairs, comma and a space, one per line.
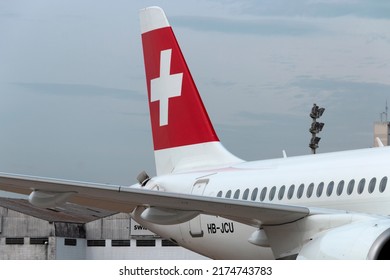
165, 86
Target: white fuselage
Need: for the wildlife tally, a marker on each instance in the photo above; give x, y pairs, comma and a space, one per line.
351, 181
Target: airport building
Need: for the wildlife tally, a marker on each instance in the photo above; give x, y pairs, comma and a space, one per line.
76, 232
382, 131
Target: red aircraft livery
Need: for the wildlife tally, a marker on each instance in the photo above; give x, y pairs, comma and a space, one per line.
172, 92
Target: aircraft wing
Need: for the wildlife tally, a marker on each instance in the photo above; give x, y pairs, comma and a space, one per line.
125, 199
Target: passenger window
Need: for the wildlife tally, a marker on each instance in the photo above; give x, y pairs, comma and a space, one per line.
263, 194
361, 186
351, 185
310, 189
340, 188
320, 189
329, 190
246, 194
371, 185
228, 194
291, 191
254, 194
281, 192
237, 194
219, 194
382, 185
272, 193
300, 190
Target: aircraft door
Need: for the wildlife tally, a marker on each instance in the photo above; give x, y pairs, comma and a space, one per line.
196, 223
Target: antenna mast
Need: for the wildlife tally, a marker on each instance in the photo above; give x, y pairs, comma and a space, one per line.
385, 113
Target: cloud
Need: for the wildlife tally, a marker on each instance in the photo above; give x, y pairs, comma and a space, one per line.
271, 118
262, 27
313, 8
82, 90
357, 88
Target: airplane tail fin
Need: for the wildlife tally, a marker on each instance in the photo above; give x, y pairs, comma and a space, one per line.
183, 135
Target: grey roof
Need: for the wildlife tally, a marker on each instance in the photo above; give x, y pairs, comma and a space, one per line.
69, 212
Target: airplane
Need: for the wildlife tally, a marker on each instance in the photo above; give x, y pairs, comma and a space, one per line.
204, 198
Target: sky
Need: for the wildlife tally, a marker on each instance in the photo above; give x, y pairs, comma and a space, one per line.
73, 100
